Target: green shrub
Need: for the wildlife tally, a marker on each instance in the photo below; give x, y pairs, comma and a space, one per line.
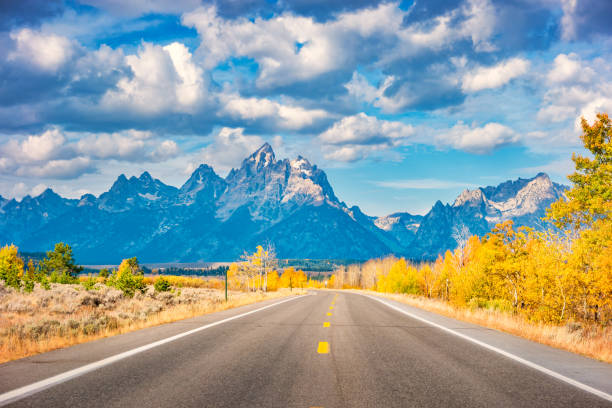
128, 277
89, 283
65, 278
28, 285
59, 265
162, 285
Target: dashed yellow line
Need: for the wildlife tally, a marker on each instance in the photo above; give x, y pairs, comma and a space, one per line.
323, 347
329, 313
331, 308
325, 324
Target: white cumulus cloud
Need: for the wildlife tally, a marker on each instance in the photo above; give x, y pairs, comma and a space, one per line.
48, 52
478, 139
356, 137
164, 79
568, 68
58, 169
494, 76
283, 115
36, 148
290, 48
166, 150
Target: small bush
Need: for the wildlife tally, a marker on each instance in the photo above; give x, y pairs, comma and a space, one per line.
128, 278
28, 285
89, 283
162, 284
65, 278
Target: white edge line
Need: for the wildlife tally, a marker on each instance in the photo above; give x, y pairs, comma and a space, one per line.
22, 392
528, 363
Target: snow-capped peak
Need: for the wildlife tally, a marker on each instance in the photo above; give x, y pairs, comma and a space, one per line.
469, 196
263, 157
302, 166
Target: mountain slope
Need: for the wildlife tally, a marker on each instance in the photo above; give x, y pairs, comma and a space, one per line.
523, 201
288, 203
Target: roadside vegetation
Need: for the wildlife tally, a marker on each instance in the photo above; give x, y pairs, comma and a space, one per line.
47, 305
554, 286
68, 314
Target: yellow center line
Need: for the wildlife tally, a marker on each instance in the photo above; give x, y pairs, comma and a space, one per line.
331, 308
325, 324
323, 347
329, 313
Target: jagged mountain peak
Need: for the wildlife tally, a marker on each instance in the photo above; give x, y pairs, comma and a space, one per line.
87, 200
265, 148
202, 174
472, 197
145, 176
302, 164
136, 192
523, 201
203, 169
262, 157
47, 196
203, 185
272, 188
48, 193
134, 183
438, 205
287, 201
542, 175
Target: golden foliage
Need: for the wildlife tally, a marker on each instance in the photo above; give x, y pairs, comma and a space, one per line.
11, 266
560, 275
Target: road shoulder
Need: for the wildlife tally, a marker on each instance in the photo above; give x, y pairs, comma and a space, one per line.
592, 373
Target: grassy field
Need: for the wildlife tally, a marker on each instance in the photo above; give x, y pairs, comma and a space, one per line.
44, 320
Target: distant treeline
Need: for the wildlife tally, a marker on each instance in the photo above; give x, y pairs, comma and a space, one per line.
315, 265
218, 271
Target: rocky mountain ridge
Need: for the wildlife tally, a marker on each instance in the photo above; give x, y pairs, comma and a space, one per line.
288, 203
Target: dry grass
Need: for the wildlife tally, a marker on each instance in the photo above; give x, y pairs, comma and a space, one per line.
591, 341
44, 320
178, 281
189, 282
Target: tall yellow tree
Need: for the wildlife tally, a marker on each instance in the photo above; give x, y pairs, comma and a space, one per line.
590, 198
11, 266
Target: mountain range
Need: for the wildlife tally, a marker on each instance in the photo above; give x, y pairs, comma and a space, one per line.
288, 203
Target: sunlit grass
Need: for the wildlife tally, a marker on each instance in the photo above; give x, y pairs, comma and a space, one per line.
32, 323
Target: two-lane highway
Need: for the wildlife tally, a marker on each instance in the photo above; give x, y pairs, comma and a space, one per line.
322, 350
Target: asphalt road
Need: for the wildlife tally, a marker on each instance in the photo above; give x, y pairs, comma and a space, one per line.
370, 355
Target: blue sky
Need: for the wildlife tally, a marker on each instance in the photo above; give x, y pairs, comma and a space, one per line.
401, 103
